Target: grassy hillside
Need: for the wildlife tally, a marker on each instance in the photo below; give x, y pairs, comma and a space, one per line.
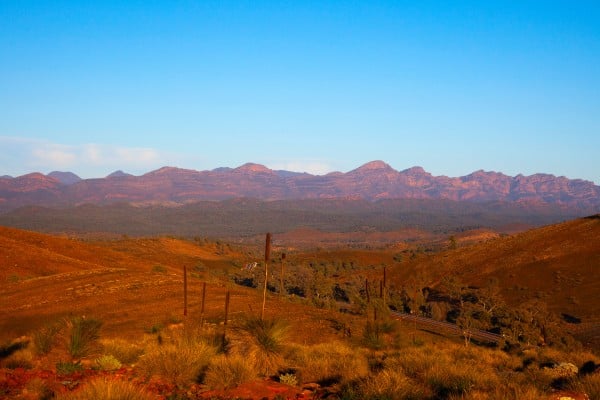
559, 264
324, 335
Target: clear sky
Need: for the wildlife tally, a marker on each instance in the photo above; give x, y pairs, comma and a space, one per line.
452, 86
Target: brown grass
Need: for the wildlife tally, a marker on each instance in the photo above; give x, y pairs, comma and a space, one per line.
226, 372
122, 350
182, 358
108, 389
328, 362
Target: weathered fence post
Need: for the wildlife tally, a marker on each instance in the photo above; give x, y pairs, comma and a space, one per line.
384, 286
202, 306
281, 289
267, 257
184, 290
226, 315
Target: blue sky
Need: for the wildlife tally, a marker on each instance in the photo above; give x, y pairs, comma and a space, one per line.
96, 86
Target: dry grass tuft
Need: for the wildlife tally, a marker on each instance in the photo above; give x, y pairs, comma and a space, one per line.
390, 384
328, 362
262, 342
122, 350
44, 338
108, 362
225, 372
451, 370
181, 359
108, 389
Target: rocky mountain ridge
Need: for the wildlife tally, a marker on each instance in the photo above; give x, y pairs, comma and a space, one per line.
372, 181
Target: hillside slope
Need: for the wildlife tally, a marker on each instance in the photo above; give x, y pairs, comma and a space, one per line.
557, 264
129, 284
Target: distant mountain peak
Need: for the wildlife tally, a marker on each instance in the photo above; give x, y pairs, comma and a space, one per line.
222, 169
252, 167
373, 166
416, 171
118, 174
377, 164
166, 170
66, 178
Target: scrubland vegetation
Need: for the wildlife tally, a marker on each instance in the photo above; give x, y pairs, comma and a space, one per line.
187, 360
328, 332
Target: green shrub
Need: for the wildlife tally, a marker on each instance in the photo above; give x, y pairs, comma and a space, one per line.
108, 363
83, 333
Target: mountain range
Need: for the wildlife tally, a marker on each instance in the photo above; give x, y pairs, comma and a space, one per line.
373, 181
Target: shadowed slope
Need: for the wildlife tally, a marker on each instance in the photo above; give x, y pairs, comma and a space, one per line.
558, 264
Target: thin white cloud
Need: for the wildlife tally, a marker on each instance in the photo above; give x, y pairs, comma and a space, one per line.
309, 166
57, 155
23, 155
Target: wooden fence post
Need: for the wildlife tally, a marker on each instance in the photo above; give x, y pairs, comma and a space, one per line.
226, 315
184, 290
384, 286
267, 257
281, 289
202, 306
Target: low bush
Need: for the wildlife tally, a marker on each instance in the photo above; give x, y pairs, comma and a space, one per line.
225, 372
